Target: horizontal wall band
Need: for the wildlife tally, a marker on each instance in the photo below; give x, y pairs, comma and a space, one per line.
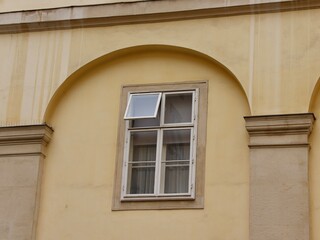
268, 146
139, 12
23, 154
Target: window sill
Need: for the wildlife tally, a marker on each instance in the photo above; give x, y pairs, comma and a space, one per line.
158, 204
158, 198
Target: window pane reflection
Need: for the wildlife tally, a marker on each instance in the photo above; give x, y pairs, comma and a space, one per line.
178, 108
143, 106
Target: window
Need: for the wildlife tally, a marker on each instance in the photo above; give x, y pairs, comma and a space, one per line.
159, 156
160, 162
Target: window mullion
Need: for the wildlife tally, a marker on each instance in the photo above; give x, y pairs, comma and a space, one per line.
159, 147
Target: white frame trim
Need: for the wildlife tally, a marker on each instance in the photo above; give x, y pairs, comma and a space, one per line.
192, 146
126, 156
160, 129
162, 123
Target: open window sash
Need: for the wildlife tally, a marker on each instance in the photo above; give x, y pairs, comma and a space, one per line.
142, 106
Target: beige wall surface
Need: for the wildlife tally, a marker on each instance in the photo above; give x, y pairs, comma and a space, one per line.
18, 5
78, 173
22, 152
274, 56
279, 185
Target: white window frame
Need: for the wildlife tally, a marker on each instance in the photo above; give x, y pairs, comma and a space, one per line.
157, 195
163, 109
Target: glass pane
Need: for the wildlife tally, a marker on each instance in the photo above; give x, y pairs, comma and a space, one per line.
175, 162
143, 106
178, 151
142, 159
177, 179
144, 153
178, 108
142, 180
146, 122
176, 144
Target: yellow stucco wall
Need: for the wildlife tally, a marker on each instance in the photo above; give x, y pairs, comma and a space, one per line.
314, 169
79, 170
274, 56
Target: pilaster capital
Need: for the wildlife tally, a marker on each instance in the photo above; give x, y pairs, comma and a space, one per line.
24, 140
287, 130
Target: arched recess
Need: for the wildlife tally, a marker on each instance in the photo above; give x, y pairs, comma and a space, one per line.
314, 164
79, 169
314, 96
126, 51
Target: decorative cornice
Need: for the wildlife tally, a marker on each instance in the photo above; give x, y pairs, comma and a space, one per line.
24, 140
139, 12
279, 124
289, 130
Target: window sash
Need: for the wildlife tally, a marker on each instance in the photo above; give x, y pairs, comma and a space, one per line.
128, 165
163, 161
159, 162
130, 106
164, 96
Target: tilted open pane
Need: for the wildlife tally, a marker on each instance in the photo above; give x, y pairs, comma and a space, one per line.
142, 105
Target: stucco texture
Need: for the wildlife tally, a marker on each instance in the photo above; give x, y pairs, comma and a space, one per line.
273, 56
78, 173
255, 64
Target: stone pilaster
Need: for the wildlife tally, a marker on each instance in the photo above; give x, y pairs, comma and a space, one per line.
279, 195
22, 150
